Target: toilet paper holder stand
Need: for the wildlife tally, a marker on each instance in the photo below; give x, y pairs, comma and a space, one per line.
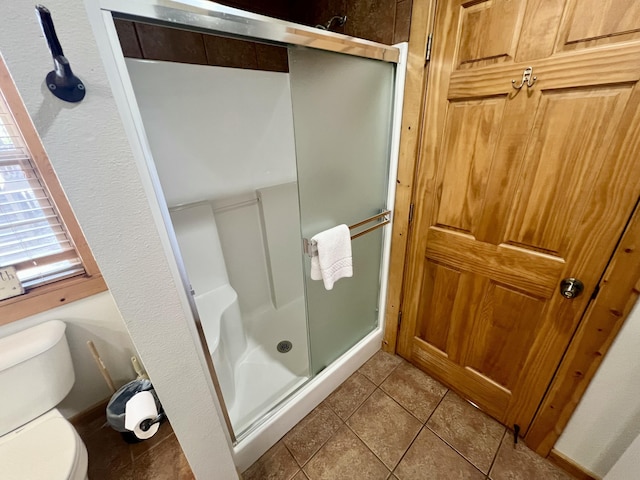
145, 425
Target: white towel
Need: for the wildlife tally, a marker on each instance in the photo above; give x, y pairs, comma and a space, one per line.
333, 260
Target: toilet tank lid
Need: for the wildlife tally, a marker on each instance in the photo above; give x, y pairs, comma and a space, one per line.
28, 343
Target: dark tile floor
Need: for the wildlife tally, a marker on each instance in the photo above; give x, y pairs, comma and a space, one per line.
391, 421
388, 420
111, 458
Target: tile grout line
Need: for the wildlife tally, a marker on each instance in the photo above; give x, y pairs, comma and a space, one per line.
368, 448
390, 371
457, 451
407, 410
321, 445
424, 425
377, 387
448, 444
344, 421
358, 407
460, 453
506, 430
434, 410
404, 454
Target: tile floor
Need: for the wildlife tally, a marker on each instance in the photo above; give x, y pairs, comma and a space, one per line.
391, 421
111, 458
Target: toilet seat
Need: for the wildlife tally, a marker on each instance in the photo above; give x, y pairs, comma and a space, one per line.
47, 448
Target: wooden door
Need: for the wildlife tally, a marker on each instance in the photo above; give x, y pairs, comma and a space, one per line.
518, 189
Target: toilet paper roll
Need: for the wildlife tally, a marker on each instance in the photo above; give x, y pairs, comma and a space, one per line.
141, 407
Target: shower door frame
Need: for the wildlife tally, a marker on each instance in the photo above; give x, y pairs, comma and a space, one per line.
207, 17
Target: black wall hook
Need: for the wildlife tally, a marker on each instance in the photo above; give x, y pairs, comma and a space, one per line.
61, 81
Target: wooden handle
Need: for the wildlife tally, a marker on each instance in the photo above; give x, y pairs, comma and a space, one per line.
101, 367
138, 368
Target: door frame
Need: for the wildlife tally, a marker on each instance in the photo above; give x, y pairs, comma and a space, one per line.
605, 315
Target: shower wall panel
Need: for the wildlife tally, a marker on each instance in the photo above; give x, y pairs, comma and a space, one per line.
215, 132
242, 244
220, 134
280, 221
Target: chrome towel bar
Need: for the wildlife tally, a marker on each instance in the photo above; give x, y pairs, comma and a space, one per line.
309, 247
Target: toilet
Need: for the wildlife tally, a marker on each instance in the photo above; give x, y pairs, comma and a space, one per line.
36, 373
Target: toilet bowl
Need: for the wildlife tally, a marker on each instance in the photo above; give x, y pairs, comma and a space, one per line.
36, 441
61, 454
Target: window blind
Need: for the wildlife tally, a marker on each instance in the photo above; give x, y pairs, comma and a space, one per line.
32, 236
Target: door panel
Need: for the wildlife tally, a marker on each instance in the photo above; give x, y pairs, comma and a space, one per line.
465, 176
516, 190
572, 131
503, 333
488, 32
441, 287
590, 23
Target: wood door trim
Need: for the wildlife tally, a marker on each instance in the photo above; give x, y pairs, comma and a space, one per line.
619, 290
422, 17
571, 467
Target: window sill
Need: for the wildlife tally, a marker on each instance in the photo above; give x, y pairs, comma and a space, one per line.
45, 298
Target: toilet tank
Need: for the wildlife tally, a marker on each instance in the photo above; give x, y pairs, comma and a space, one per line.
36, 373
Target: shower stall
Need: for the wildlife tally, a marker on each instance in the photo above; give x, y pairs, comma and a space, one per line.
248, 165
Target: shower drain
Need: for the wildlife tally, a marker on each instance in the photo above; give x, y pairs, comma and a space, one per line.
284, 346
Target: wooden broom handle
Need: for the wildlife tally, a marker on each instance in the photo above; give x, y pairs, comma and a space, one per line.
101, 367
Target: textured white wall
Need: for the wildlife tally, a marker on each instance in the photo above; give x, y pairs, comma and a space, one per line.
94, 318
628, 466
607, 419
89, 150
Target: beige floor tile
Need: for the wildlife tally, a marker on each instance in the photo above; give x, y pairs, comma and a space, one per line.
276, 464
467, 429
306, 438
345, 457
414, 390
349, 396
385, 427
429, 458
378, 367
520, 463
300, 476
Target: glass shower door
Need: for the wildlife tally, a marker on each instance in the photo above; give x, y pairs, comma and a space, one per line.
342, 113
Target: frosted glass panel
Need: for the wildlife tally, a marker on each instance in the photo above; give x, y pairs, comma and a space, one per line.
342, 121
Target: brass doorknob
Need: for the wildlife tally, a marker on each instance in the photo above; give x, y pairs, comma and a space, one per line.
571, 288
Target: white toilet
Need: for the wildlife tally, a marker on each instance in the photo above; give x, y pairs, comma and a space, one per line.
36, 441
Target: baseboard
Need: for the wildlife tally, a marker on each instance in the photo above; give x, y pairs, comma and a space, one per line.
571, 467
91, 413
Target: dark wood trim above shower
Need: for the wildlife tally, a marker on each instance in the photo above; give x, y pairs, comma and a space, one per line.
388, 22
153, 42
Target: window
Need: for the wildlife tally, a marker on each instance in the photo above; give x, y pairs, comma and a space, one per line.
39, 235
